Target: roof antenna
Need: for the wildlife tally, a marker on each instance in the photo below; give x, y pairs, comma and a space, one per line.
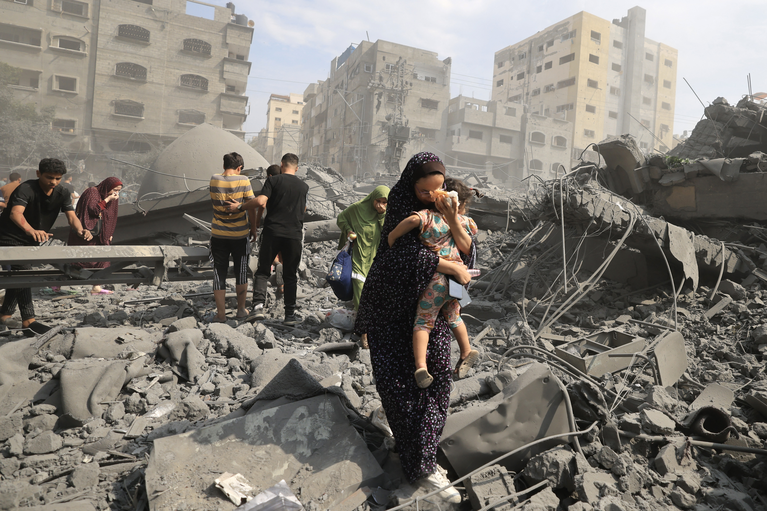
366, 33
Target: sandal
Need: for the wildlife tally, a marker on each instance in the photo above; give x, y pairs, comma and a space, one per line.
102, 292
464, 364
242, 316
422, 378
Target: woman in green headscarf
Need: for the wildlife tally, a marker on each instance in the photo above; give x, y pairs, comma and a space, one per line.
365, 219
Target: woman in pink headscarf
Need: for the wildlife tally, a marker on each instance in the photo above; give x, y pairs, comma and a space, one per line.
98, 203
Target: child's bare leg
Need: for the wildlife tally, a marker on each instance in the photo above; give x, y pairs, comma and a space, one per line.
420, 343
462, 336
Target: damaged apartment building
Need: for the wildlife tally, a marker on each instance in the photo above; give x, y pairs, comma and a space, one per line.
128, 76
283, 127
382, 103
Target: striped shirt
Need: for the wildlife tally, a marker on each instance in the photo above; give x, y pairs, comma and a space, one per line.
224, 188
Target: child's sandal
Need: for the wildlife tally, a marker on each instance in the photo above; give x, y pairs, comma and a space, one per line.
466, 363
422, 378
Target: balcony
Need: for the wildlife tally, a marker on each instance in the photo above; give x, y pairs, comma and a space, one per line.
468, 145
233, 104
238, 39
235, 72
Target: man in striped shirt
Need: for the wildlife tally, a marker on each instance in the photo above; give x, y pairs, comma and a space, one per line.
229, 234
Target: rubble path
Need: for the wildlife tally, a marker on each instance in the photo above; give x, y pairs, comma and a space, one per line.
178, 374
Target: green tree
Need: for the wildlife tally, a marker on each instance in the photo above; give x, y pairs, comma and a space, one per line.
25, 133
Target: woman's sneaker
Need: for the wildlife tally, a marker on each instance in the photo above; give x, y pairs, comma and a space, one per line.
437, 480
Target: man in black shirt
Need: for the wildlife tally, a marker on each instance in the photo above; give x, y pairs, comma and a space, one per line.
283, 230
31, 212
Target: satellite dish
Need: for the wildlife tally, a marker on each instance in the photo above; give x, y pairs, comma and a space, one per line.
251, 23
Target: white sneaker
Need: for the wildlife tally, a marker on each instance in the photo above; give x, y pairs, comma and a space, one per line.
437, 480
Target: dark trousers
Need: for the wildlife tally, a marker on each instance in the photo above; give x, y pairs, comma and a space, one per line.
21, 297
220, 250
291, 258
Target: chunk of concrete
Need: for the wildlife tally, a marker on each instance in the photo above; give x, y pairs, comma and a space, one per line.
85, 476
682, 499
556, 465
10, 426
733, 290
44, 443
111, 342
591, 487
666, 461
232, 343
544, 500
309, 443
187, 323
655, 421
491, 485
181, 348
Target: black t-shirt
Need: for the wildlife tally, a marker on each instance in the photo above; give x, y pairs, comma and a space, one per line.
40, 210
287, 202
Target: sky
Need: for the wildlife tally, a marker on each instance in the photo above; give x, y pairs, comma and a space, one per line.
295, 40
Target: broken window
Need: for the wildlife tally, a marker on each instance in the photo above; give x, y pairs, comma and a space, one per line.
536, 165
616, 67
129, 108
520, 75
588, 133
549, 88
566, 83
130, 70
538, 69
559, 141
475, 134
646, 100
649, 79
612, 115
549, 43
668, 63
191, 117
618, 44
64, 83
505, 139
278, 109
596, 37
429, 104
194, 82
65, 126
665, 106
516, 99
594, 59
567, 58
522, 56
540, 47
667, 84
197, 46
663, 128
537, 137
499, 83
565, 107
569, 35
548, 64
368, 68
511, 111
615, 91
500, 64
536, 92
649, 56
591, 109
389, 68
133, 32
592, 83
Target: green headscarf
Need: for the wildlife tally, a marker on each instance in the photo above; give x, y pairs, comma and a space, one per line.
362, 218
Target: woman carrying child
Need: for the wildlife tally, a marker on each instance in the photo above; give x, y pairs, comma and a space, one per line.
448, 236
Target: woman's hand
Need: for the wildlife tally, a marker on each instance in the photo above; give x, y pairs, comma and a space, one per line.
449, 211
457, 270
112, 196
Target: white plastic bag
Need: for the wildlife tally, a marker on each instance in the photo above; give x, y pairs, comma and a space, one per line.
343, 319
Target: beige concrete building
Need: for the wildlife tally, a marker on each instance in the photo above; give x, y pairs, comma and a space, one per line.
382, 103
606, 78
283, 127
126, 76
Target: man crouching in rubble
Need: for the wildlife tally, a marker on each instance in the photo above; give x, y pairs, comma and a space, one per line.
283, 233
31, 212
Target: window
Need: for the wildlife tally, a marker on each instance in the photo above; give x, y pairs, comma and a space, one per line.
538, 69
506, 139
588, 133
612, 115
536, 165
368, 68
567, 58
592, 83
69, 44
591, 109
646, 100
596, 37
649, 56
65, 126
645, 123
566, 83
475, 134
511, 111
555, 168
664, 128
516, 99
522, 56
536, 137
429, 104
667, 84
615, 91
230, 89
540, 47
191, 117
294, 121
278, 109
129, 108
133, 32
643, 145
616, 67
649, 79
148, 2
668, 63
665, 106
565, 107
194, 82
130, 70
569, 35
500, 64
295, 112
559, 141
594, 59
549, 88
197, 46
520, 75
499, 83
64, 84
536, 92
549, 43
547, 65
131, 146
71, 7
389, 68
617, 44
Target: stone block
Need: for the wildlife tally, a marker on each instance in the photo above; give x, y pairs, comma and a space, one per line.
760, 335
606, 457
544, 500
187, 323
44, 422
660, 398
115, 412
192, 408
732, 289
489, 486
655, 421
682, 499
231, 343
44, 443
689, 481
16, 445
85, 476
10, 426
666, 461
555, 465
592, 486
8, 466
264, 337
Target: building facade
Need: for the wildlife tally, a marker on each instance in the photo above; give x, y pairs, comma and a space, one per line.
128, 76
283, 127
606, 79
382, 103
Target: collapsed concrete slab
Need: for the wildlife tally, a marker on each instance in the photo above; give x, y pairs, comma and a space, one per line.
308, 443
